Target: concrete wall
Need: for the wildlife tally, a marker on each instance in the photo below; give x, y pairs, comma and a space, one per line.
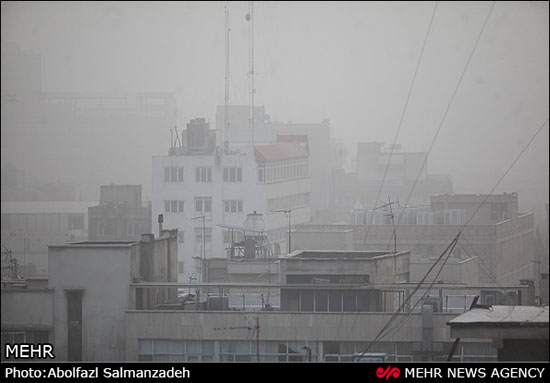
470, 204
275, 326
253, 272
120, 219
504, 251
121, 194
455, 271
381, 269
103, 274
322, 239
27, 309
515, 250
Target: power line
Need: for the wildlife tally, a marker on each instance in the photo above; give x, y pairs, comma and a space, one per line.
452, 245
506, 172
402, 115
431, 146
449, 106
386, 327
391, 327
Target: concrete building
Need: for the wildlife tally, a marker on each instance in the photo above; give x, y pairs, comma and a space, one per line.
115, 301
335, 281
519, 332
364, 182
497, 207
269, 132
28, 227
499, 239
81, 309
223, 184
120, 215
312, 238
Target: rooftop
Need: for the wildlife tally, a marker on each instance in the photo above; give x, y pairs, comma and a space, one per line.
46, 207
82, 244
280, 151
523, 316
338, 255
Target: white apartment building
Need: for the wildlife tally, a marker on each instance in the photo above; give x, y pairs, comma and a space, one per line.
225, 184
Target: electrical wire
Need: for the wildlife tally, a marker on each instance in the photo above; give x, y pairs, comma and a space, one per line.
451, 100
400, 125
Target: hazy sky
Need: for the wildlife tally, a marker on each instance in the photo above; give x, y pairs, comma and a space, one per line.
349, 62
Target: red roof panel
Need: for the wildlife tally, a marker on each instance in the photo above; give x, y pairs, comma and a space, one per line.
280, 151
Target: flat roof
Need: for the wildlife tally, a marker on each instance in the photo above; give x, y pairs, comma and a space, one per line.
45, 207
338, 254
83, 244
394, 286
503, 316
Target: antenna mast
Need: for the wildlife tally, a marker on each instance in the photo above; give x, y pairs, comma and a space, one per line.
226, 99
250, 19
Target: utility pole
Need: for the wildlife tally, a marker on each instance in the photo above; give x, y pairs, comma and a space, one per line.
258, 339
203, 217
286, 211
390, 203
250, 19
226, 99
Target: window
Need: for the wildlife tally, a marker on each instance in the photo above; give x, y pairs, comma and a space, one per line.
233, 174
207, 235
105, 229
230, 236
180, 267
233, 206
167, 350
203, 205
203, 174
20, 336
173, 174
181, 237
282, 170
173, 206
291, 201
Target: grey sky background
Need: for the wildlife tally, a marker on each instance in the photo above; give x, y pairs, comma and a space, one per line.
350, 62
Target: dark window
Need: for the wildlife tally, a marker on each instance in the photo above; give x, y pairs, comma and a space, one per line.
335, 302
74, 325
306, 301
350, 304
321, 301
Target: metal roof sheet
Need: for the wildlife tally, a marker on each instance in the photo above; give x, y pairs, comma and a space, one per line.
500, 315
280, 151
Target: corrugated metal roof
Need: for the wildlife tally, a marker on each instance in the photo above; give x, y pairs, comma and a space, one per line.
280, 151
501, 315
45, 207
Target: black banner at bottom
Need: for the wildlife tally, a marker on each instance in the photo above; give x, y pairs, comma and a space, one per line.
242, 372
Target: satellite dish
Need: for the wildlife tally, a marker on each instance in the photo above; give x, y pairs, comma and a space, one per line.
248, 17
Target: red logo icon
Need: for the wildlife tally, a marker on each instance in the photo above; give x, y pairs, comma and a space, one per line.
388, 372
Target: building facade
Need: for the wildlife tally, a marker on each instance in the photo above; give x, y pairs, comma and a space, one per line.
202, 186
120, 215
